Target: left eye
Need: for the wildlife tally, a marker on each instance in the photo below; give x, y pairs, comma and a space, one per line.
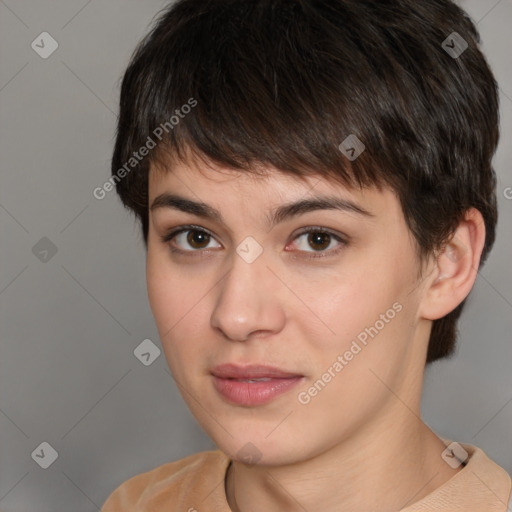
321, 241
318, 239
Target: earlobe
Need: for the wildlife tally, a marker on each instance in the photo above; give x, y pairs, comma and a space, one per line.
455, 268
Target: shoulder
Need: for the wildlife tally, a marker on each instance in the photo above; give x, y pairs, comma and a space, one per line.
487, 477
480, 485
173, 486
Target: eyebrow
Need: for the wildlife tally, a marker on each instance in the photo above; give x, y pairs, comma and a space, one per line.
278, 215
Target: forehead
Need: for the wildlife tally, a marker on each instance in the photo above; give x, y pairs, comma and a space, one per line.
208, 182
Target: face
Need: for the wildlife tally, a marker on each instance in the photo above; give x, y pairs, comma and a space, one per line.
315, 327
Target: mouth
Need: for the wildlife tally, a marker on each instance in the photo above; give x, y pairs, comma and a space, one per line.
252, 385
251, 372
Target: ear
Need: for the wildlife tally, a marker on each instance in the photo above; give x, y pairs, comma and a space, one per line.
455, 268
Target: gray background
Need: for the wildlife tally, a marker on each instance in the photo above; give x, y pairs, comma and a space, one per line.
70, 324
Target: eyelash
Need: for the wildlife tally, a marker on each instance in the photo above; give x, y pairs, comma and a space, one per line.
311, 229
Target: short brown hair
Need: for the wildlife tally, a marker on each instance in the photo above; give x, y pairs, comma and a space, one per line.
282, 83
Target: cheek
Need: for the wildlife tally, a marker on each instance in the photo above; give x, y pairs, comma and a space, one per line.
179, 306
370, 307
169, 292
345, 305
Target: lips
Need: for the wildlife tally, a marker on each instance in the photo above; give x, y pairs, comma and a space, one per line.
252, 385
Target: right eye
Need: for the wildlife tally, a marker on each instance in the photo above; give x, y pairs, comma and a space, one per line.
195, 237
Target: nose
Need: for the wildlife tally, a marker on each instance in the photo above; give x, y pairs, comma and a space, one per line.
248, 304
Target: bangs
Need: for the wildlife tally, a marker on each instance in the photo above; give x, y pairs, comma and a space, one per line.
247, 99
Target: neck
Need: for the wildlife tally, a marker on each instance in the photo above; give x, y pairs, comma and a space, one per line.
382, 467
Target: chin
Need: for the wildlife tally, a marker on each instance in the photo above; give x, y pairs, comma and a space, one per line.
258, 450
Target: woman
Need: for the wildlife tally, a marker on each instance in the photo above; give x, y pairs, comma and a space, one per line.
316, 195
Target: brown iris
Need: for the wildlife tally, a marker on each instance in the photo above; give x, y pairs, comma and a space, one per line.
196, 238
322, 239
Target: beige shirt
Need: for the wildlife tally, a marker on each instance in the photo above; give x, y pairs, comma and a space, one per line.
196, 484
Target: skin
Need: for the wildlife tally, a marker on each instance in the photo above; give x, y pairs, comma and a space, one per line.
359, 444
